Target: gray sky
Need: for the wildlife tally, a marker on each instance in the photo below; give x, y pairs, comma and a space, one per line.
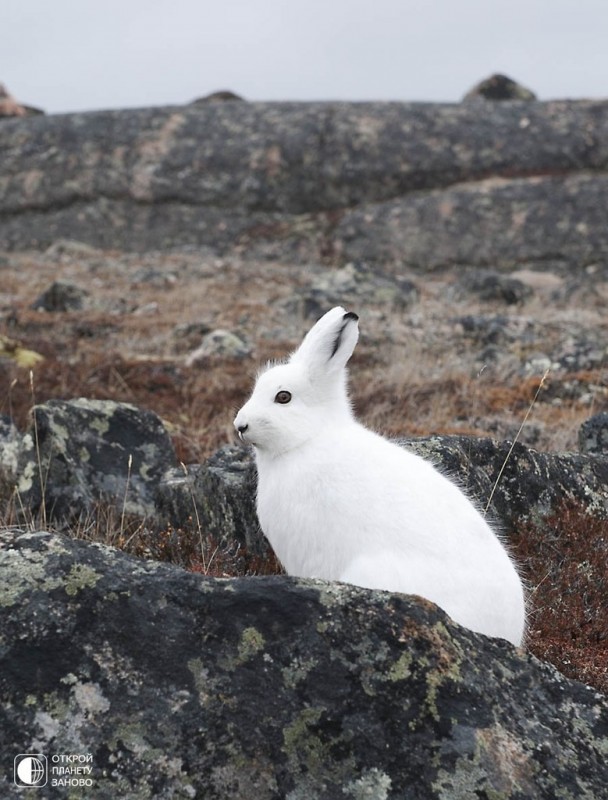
69, 55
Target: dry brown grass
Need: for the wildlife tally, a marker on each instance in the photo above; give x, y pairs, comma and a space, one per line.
566, 562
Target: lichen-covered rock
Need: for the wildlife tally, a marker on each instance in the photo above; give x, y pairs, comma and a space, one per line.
218, 343
174, 685
81, 452
219, 495
352, 285
593, 435
11, 447
518, 482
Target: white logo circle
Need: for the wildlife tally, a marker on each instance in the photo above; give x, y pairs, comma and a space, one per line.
30, 770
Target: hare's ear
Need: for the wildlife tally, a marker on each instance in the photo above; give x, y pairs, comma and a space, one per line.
329, 343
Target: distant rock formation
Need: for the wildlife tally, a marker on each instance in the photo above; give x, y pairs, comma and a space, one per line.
9, 107
221, 96
412, 186
499, 87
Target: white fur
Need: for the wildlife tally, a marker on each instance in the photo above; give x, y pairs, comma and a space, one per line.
339, 502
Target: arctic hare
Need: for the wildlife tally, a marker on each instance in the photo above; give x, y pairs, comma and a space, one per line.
337, 501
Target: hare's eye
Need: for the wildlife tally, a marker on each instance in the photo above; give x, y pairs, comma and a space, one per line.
282, 397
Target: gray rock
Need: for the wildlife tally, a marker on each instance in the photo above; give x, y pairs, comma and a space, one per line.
519, 482
499, 87
492, 286
218, 343
506, 224
352, 285
82, 452
218, 495
183, 686
62, 296
11, 447
593, 435
221, 96
221, 174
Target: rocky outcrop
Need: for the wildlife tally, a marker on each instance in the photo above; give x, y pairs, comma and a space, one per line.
518, 483
593, 435
10, 107
501, 184
81, 453
499, 87
167, 684
219, 495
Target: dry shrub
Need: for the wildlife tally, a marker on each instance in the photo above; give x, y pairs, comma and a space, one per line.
565, 559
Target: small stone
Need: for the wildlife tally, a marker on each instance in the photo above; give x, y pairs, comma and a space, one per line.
352, 285
492, 286
593, 435
219, 343
62, 296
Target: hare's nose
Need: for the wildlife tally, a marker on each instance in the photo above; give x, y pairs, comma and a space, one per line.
241, 429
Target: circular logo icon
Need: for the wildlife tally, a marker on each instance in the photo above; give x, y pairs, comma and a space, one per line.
30, 770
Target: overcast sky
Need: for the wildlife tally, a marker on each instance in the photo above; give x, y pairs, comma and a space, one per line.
69, 55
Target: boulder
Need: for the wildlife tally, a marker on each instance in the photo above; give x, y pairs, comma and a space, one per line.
83, 452
218, 495
218, 343
62, 295
221, 96
165, 684
499, 87
491, 286
10, 107
355, 284
517, 483
550, 222
593, 435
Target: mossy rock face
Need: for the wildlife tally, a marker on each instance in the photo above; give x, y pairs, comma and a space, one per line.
80, 453
184, 686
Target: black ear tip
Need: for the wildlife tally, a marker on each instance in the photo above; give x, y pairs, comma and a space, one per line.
350, 315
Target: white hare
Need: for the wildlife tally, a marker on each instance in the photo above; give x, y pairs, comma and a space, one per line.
337, 501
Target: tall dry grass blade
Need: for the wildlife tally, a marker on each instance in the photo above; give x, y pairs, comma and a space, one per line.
514, 442
124, 499
42, 478
199, 527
